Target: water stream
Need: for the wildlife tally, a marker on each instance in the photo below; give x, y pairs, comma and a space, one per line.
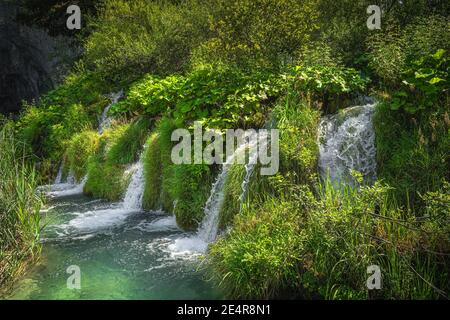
122, 252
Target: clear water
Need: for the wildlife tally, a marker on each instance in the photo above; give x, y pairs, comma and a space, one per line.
122, 254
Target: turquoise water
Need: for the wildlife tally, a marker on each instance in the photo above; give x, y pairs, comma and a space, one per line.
121, 255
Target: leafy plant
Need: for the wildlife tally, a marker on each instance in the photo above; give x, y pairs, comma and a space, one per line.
425, 82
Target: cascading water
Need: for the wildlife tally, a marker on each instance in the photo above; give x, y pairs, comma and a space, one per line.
58, 178
250, 166
114, 214
105, 121
70, 187
347, 143
208, 229
135, 191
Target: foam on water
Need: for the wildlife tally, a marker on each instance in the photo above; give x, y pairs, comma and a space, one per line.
347, 143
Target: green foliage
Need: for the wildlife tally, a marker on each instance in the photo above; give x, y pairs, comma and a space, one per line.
48, 125
256, 34
425, 83
190, 187
259, 257
133, 38
179, 189
391, 51
232, 192
299, 245
412, 152
19, 208
227, 96
216, 95
105, 180
298, 125
79, 149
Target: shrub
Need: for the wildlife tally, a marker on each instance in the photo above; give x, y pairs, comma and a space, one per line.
259, 257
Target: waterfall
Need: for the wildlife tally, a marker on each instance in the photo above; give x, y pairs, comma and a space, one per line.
135, 191
347, 143
208, 229
250, 166
105, 121
210, 224
58, 178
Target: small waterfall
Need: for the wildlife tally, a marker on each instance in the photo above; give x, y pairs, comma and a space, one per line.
135, 191
210, 224
347, 143
105, 121
250, 166
58, 179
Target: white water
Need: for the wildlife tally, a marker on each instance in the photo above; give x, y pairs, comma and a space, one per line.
250, 166
347, 143
114, 214
135, 191
105, 120
58, 178
208, 229
67, 189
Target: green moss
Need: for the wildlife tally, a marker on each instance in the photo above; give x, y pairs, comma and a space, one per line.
178, 189
190, 186
152, 173
80, 148
298, 125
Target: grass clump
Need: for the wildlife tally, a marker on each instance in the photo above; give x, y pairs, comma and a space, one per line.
80, 148
179, 189
127, 147
153, 174
106, 179
19, 208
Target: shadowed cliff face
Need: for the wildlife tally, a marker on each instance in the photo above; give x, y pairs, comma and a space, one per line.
29, 61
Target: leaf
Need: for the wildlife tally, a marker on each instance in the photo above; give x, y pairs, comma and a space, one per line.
435, 80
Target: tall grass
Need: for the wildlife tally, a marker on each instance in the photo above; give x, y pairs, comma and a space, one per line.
19, 208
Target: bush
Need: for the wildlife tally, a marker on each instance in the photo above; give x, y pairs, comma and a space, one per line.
153, 37
393, 49
259, 257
